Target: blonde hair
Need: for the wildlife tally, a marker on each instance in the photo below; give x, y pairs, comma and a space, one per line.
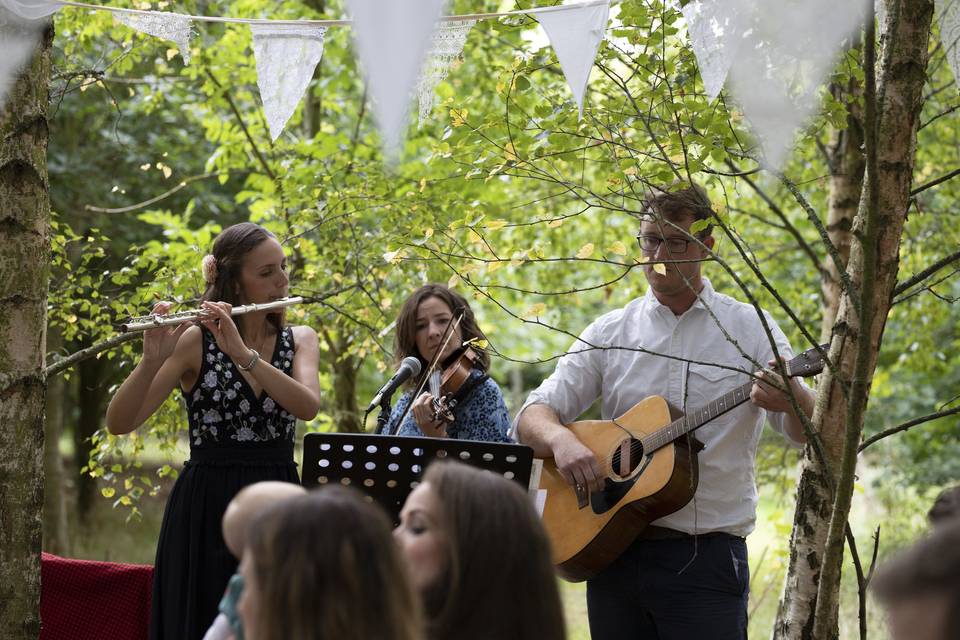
249, 502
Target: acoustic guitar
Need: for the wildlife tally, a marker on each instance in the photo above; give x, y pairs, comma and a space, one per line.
650, 471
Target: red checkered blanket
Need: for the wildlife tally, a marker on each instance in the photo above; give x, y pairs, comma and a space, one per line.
86, 600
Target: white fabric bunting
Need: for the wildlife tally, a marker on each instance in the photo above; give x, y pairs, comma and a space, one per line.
948, 17
18, 40
445, 47
391, 39
176, 27
715, 36
575, 32
287, 55
785, 53
31, 9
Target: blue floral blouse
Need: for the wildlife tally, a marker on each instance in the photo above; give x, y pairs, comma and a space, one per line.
222, 408
483, 416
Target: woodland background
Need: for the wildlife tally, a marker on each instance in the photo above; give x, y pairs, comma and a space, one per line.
528, 211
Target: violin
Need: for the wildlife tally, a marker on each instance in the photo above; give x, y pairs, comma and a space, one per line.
446, 384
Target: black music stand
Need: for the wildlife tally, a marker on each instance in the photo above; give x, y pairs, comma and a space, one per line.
389, 467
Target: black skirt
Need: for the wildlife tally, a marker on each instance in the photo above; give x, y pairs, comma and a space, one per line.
193, 563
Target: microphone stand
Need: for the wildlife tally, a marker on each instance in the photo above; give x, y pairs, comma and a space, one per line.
383, 417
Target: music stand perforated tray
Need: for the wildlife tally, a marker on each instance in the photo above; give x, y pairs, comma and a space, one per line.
389, 467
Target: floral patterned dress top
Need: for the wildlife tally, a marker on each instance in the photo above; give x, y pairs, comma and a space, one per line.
222, 408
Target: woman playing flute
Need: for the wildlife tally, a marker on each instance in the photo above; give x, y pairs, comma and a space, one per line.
245, 381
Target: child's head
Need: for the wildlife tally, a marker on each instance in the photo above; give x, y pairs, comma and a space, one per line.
247, 504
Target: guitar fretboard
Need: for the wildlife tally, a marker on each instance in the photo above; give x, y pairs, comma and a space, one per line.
696, 418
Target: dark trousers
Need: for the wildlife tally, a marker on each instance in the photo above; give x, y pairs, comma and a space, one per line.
682, 588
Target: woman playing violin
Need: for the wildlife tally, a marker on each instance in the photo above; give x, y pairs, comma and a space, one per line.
468, 404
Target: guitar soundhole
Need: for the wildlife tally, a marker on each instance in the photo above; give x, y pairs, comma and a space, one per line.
627, 457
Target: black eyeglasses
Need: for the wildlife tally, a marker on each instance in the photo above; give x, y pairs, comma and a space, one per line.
650, 244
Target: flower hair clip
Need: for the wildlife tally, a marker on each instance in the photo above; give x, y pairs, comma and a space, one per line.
208, 267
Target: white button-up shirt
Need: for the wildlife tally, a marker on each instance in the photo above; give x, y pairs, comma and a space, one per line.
644, 349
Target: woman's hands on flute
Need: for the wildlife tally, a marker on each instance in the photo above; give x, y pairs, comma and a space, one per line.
159, 342
218, 321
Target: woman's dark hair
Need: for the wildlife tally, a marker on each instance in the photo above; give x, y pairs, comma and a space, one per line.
406, 333
930, 568
230, 247
326, 568
496, 548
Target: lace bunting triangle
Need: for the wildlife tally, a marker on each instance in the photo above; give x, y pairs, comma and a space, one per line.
445, 48
286, 55
715, 35
175, 27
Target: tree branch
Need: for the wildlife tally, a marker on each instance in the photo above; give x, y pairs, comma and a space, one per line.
926, 273
243, 126
65, 363
162, 196
933, 183
775, 208
907, 425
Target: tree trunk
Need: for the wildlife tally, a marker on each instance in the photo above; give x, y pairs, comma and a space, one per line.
92, 403
809, 608
24, 275
54, 505
814, 496
847, 164
346, 413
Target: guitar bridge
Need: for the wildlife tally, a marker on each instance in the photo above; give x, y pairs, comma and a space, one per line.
583, 496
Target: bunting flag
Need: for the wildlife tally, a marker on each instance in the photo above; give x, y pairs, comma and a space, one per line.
785, 54
391, 39
715, 36
176, 27
19, 37
286, 55
575, 32
948, 17
445, 47
31, 9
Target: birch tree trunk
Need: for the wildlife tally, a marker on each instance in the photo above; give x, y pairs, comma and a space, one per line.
24, 274
809, 607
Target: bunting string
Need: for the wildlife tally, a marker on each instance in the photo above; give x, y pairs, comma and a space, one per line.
333, 23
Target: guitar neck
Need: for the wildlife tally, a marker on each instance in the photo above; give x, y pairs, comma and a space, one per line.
697, 418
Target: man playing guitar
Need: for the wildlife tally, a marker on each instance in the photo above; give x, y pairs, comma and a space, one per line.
686, 576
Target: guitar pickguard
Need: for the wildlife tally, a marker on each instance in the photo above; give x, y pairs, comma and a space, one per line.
613, 492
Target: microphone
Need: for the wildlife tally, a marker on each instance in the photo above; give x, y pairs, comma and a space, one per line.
409, 366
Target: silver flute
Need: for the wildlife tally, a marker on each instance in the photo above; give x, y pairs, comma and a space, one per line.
154, 320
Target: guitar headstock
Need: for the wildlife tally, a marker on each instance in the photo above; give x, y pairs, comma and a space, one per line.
808, 363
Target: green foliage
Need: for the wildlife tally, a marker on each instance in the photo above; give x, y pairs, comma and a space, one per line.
504, 193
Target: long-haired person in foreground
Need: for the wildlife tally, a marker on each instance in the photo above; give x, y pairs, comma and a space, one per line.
433, 319
479, 557
920, 586
245, 384
323, 567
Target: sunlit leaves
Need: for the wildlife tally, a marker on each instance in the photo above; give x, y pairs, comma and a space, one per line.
585, 251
